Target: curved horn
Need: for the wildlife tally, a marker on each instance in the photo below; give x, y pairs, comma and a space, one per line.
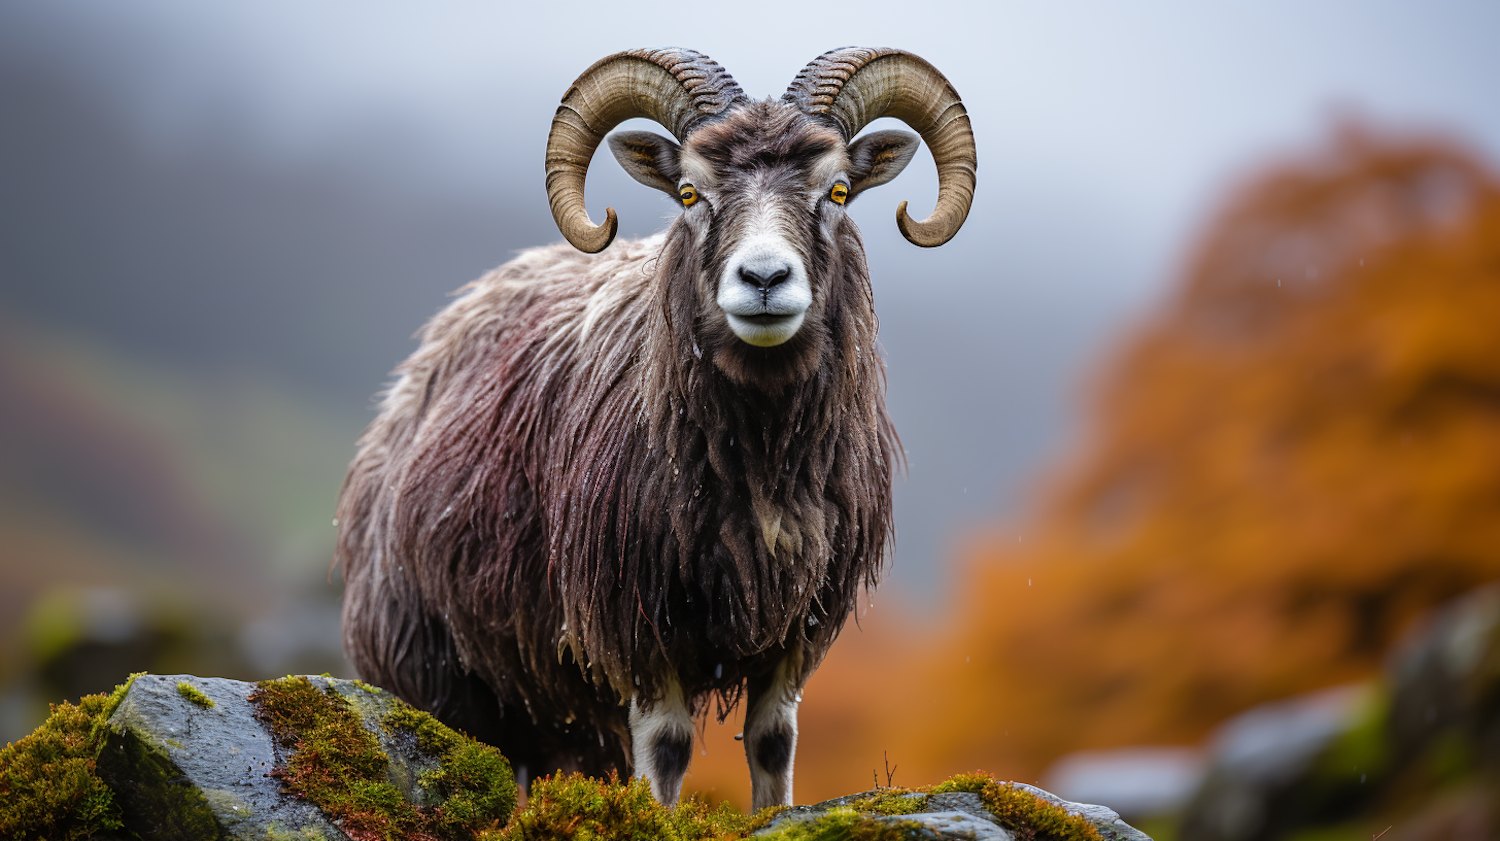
675, 87
855, 85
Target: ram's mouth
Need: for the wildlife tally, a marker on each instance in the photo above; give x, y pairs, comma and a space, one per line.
764, 329
766, 319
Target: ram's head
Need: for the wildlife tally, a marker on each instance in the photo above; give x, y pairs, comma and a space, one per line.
763, 185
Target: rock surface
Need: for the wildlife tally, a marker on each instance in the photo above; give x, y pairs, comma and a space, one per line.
961, 815
183, 769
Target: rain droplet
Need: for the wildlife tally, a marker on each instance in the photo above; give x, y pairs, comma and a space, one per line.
718, 671
1028, 582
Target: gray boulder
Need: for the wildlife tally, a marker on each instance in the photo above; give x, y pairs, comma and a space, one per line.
188, 757
957, 815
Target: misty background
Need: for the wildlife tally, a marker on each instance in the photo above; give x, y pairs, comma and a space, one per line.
220, 226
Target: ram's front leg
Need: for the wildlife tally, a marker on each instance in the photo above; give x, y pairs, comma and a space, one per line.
771, 732
661, 736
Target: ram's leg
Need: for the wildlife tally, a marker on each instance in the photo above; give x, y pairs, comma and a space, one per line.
661, 736
771, 732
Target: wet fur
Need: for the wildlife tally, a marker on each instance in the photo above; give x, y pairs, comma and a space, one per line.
583, 485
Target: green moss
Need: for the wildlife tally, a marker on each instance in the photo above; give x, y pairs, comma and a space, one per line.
973, 783
373, 690
279, 832
432, 735
194, 694
474, 781
892, 801
844, 823
1362, 749
338, 765
588, 809
49, 785
1020, 811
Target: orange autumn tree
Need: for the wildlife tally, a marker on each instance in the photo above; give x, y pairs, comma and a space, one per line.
1293, 460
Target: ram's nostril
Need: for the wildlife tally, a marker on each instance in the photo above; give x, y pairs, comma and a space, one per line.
767, 280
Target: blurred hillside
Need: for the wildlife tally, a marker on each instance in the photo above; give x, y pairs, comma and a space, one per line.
1287, 465
155, 519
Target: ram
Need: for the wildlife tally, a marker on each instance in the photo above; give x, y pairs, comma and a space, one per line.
616, 484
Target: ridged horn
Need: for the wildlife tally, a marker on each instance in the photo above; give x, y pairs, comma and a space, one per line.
677, 88
853, 86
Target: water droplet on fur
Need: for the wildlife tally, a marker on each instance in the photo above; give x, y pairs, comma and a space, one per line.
718, 671
812, 621
799, 697
697, 351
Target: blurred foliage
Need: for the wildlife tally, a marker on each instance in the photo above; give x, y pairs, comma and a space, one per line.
1293, 461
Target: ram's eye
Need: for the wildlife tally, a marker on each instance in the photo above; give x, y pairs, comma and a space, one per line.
687, 194
839, 193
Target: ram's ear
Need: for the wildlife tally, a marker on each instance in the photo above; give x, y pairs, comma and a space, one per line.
878, 157
649, 158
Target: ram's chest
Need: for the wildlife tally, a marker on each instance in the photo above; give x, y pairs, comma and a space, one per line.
780, 530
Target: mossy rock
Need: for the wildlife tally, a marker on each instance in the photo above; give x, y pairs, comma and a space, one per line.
298, 758
970, 806
305, 758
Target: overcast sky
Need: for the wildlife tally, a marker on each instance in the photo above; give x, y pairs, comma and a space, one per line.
305, 180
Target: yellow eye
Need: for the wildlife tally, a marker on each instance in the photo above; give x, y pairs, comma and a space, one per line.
839, 193
687, 194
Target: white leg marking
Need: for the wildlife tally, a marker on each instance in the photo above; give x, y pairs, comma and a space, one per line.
661, 736
771, 733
